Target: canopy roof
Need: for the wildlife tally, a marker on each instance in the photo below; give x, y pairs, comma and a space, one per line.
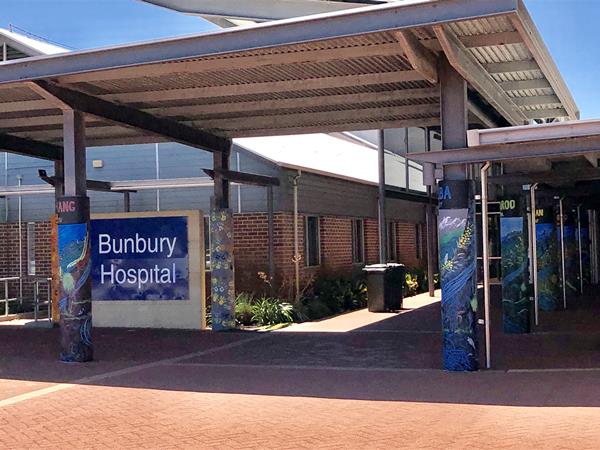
366, 68
20, 46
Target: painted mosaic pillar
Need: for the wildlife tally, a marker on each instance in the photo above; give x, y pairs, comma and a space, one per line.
222, 270
457, 250
548, 259
571, 251
585, 245
515, 266
75, 288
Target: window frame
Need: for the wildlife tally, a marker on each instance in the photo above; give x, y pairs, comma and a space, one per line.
355, 251
31, 248
307, 255
419, 240
391, 230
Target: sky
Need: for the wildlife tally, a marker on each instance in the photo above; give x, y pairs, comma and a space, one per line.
568, 28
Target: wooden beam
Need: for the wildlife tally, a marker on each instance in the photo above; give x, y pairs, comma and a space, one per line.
296, 103
546, 113
421, 58
476, 75
526, 65
29, 105
483, 116
250, 61
134, 118
29, 147
537, 100
267, 88
244, 61
243, 177
313, 118
538, 83
480, 40
374, 124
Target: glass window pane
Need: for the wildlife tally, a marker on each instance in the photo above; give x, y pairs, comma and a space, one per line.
312, 245
435, 140
416, 140
358, 252
31, 248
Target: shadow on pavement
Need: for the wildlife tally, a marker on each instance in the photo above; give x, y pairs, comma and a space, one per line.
395, 359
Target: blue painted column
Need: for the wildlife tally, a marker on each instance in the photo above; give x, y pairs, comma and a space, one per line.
222, 270
457, 250
221, 247
571, 250
515, 266
75, 288
548, 258
74, 257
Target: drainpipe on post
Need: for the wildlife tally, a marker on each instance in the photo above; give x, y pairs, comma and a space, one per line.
20, 183
296, 242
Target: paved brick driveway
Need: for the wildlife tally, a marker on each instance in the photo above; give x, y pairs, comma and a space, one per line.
374, 385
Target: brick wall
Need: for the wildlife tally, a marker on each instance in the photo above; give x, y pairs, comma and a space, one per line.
9, 256
251, 249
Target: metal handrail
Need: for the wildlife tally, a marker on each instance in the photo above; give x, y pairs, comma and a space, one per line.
6, 300
36, 297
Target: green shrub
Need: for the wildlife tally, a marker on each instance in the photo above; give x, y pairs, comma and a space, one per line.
340, 294
317, 309
411, 284
271, 311
243, 310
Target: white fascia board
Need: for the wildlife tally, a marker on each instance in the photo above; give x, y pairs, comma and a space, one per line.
526, 133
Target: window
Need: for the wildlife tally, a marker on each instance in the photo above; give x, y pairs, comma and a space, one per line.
31, 248
416, 140
391, 242
358, 241
312, 244
419, 240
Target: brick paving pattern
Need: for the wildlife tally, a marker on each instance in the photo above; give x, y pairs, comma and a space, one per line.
373, 384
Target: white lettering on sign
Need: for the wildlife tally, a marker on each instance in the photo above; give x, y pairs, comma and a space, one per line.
138, 276
137, 244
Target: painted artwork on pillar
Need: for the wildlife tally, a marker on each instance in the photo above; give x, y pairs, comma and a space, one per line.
571, 259
222, 270
548, 266
515, 276
458, 278
75, 294
585, 253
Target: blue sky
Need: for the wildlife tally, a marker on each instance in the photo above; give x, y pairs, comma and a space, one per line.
567, 26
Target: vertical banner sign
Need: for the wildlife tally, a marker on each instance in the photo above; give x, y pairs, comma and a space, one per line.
549, 294
458, 275
571, 251
515, 264
75, 290
140, 259
222, 273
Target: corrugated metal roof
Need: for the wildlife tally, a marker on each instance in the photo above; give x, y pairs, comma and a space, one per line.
334, 72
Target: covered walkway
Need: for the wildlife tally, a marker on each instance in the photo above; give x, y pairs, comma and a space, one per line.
455, 64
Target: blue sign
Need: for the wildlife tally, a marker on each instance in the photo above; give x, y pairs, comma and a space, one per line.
140, 259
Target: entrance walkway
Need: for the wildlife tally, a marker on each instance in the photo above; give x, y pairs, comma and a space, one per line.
374, 384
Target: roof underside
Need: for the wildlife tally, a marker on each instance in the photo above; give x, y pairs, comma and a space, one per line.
336, 72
